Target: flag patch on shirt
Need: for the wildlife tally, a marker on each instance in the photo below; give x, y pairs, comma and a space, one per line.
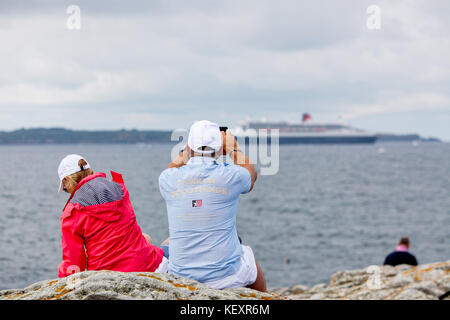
196, 203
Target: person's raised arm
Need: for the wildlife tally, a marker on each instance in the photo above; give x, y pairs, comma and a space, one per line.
231, 147
181, 159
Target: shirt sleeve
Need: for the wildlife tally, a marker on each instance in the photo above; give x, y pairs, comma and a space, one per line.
74, 256
164, 183
245, 179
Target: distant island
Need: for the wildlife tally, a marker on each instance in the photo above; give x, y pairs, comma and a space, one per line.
67, 136
386, 137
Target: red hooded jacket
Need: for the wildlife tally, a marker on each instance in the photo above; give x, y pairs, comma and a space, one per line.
99, 230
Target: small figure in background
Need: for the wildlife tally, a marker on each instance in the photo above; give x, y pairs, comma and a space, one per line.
401, 254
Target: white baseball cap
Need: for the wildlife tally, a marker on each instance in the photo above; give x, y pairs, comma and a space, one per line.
205, 133
69, 165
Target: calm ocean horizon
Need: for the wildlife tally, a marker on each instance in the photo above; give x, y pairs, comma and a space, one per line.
329, 207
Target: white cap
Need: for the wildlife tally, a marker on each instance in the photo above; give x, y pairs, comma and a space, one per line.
69, 165
205, 134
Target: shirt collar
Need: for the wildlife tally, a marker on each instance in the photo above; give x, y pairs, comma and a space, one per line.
206, 160
83, 181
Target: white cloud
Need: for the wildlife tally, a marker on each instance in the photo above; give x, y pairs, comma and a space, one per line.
181, 62
420, 101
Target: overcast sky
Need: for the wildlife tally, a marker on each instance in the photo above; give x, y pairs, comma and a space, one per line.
161, 64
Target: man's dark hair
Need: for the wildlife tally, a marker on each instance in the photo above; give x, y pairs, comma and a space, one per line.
404, 241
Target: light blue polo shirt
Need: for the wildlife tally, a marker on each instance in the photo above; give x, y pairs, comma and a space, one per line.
202, 200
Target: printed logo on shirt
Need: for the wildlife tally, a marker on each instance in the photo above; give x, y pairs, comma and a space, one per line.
196, 203
188, 191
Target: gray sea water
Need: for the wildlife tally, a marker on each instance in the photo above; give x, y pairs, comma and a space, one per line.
329, 208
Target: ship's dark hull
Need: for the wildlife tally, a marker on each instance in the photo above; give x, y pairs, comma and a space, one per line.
324, 140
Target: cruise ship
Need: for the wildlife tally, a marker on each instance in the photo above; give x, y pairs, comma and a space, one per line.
307, 132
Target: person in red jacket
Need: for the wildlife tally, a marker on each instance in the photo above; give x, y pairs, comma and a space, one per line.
98, 225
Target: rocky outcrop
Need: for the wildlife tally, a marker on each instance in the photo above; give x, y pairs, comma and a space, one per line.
429, 281
424, 282
110, 285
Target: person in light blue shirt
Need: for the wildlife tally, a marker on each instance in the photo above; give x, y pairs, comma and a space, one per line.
202, 198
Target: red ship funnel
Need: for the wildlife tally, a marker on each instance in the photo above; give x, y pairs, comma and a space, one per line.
306, 117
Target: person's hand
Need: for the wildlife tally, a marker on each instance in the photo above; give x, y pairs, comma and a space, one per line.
181, 159
229, 143
147, 237
184, 154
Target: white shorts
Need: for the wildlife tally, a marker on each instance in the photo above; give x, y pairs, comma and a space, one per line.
163, 266
245, 276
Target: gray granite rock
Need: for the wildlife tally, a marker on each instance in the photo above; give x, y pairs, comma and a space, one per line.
110, 285
427, 281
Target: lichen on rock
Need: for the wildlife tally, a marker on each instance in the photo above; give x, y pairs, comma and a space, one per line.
111, 285
428, 281
424, 282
